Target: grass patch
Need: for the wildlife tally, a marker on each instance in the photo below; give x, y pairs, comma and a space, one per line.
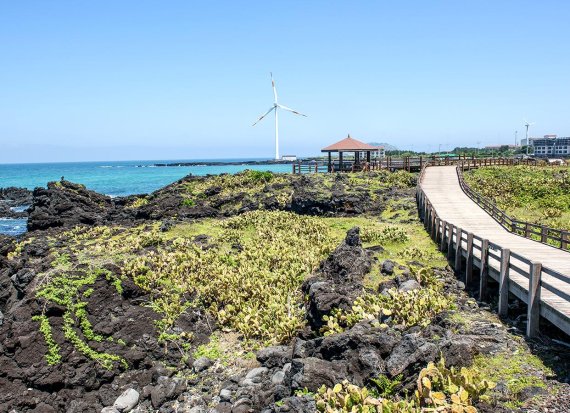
538, 195
517, 370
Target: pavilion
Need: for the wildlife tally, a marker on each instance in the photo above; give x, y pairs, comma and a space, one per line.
350, 145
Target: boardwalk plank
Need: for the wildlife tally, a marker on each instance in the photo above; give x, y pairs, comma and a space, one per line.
441, 186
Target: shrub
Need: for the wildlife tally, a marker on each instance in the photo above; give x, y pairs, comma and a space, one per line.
252, 289
438, 389
390, 233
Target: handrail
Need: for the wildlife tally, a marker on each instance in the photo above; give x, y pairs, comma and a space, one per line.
559, 238
407, 163
451, 240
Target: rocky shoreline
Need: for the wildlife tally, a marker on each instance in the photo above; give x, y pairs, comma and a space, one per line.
14, 202
199, 364
222, 163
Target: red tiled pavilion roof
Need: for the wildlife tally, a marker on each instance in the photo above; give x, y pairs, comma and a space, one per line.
349, 144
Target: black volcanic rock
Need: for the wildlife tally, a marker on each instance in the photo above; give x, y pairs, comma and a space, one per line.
338, 281
65, 204
16, 196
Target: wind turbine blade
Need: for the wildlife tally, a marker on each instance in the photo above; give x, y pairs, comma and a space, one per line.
264, 115
274, 89
291, 110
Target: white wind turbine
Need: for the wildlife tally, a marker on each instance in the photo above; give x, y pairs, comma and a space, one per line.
276, 106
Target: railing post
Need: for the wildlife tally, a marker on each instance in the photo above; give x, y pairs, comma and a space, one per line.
504, 283
435, 227
543, 234
458, 251
442, 239
564, 240
533, 299
469, 260
484, 271
450, 240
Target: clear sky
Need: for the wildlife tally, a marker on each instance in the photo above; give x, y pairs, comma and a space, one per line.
114, 80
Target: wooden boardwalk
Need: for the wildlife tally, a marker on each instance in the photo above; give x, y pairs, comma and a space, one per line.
440, 190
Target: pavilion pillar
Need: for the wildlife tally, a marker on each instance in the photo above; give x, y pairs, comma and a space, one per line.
340, 166
330, 162
368, 156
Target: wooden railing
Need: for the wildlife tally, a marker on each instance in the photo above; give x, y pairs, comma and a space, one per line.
410, 164
467, 251
546, 235
309, 167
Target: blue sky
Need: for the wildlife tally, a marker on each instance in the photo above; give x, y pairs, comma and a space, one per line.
114, 80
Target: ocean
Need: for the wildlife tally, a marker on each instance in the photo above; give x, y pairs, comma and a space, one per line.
118, 178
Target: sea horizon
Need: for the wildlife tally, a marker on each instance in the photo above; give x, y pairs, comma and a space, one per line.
149, 160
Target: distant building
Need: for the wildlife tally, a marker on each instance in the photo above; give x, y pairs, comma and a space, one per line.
380, 154
551, 146
289, 158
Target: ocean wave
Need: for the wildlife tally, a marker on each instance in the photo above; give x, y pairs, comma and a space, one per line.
20, 208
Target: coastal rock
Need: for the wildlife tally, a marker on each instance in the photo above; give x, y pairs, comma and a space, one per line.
167, 389
338, 281
126, 401
311, 373
276, 356
409, 285
388, 267
16, 196
65, 204
201, 364
349, 262
22, 278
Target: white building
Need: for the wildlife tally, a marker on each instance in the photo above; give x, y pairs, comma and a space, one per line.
551, 146
289, 158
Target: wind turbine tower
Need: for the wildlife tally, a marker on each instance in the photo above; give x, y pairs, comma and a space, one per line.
276, 106
527, 125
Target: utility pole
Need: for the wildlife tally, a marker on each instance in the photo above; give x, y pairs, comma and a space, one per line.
516, 135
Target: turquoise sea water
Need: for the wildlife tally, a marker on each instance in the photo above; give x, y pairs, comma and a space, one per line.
119, 178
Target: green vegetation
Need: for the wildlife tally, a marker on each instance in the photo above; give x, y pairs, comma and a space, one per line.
211, 350
139, 202
519, 370
52, 356
254, 269
382, 235
188, 202
414, 307
65, 289
384, 387
539, 195
438, 389
253, 183
19, 248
